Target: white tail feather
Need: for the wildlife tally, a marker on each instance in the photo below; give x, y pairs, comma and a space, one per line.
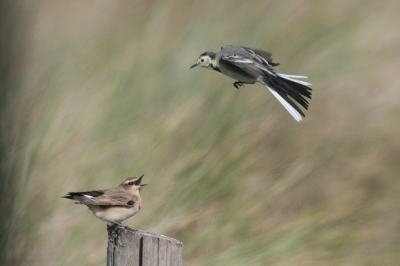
296, 115
294, 77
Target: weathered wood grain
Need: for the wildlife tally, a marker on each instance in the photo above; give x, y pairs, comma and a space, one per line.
127, 246
150, 250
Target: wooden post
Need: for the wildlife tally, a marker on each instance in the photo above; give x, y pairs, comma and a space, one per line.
127, 246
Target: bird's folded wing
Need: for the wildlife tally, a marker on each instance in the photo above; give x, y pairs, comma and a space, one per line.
248, 65
85, 194
261, 56
264, 54
110, 200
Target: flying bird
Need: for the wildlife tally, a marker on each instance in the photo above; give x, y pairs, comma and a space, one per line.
112, 205
249, 66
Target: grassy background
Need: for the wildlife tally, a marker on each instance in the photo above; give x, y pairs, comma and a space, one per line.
104, 92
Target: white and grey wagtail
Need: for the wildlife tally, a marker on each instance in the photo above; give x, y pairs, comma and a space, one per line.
112, 205
248, 66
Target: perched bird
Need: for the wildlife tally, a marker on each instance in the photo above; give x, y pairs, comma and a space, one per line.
112, 205
248, 66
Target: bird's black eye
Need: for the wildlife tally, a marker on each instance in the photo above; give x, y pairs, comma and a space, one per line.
202, 60
131, 183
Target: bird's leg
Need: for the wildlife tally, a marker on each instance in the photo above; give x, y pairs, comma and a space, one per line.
113, 236
115, 232
238, 84
119, 225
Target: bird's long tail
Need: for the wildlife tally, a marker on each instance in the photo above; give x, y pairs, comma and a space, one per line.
283, 86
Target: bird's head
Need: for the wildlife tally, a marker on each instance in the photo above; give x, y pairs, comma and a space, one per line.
206, 60
133, 184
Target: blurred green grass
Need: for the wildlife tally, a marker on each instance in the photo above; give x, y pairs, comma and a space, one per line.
106, 93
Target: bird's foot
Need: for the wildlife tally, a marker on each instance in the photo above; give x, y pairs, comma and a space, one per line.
119, 225
238, 84
116, 230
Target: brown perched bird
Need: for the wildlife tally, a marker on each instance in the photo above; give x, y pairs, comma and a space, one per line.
112, 205
249, 66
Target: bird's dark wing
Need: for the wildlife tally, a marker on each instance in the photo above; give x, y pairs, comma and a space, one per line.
110, 200
248, 65
99, 197
93, 193
259, 55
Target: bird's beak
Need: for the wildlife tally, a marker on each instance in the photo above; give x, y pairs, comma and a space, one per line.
139, 180
195, 65
142, 185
